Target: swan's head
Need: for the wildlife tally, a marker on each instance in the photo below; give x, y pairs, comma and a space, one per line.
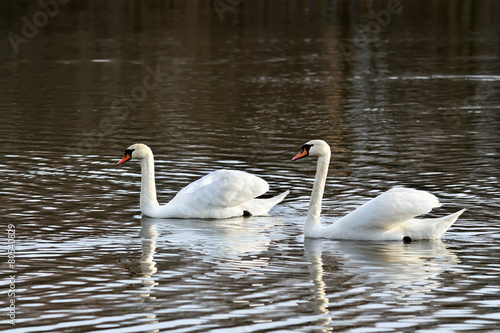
138, 151
313, 148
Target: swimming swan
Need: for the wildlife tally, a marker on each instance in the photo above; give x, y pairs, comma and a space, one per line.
390, 216
220, 194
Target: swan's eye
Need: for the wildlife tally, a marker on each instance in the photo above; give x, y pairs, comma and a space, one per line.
127, 156
307, 147
129, 152
304, 151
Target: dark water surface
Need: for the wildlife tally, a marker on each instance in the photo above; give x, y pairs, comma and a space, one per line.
405, 95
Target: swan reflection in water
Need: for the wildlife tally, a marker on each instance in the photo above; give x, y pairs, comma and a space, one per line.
231, 248
145, 267
374, 271
229, 239
228, 244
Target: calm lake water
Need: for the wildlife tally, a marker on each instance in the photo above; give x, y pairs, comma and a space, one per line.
405, 93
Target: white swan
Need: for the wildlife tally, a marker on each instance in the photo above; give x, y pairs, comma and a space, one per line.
390, 216
220, 194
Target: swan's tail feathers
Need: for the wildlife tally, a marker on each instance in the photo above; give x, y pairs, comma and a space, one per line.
258, 207
447, 221
432, 228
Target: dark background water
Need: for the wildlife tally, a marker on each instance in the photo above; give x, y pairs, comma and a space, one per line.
406, 93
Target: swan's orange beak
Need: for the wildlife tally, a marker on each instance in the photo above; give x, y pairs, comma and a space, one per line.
303, 153
124, 159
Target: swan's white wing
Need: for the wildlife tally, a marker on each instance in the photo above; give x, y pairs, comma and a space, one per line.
389, 210
219, 190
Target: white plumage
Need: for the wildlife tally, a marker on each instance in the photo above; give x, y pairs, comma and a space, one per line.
389, 216
218, 195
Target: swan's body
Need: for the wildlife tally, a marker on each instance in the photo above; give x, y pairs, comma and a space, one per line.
390, 216
220, 194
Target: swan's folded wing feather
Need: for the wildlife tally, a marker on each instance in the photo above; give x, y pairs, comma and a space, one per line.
221, 189
390, 209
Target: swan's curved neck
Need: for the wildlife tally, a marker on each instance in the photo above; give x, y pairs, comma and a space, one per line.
313, 224
148, 187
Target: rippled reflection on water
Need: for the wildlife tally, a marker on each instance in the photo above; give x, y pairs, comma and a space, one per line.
197, 275
418, 107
